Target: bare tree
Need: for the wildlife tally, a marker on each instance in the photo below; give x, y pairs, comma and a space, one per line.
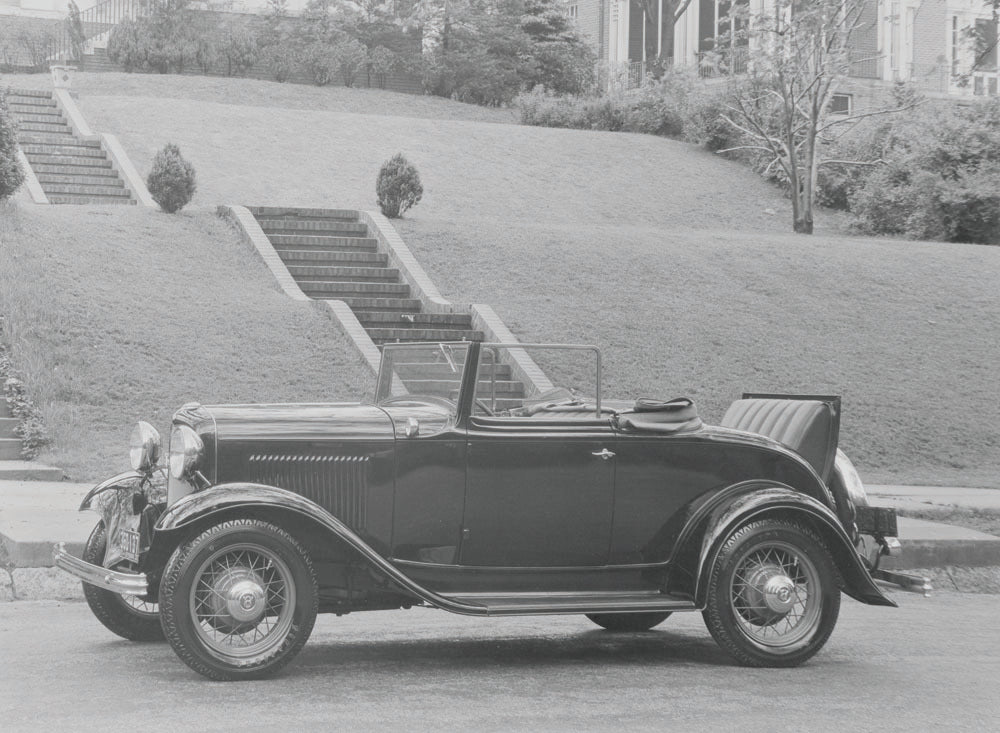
799, 54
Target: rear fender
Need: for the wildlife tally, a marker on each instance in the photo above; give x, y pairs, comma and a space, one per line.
196, 510
755, 500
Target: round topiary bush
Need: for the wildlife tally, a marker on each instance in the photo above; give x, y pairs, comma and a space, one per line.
398, 186
11, 175
171, 181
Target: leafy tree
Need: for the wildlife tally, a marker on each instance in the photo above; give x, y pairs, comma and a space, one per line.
11, 175
781, 107
74, 28
128, 45
239, 49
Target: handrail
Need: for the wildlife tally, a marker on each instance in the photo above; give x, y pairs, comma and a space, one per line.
99, 19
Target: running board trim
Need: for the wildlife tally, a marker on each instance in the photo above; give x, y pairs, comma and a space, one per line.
539, 604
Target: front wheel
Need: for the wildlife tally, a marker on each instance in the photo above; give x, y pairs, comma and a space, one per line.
628, 621
127, 615
773, 594
239, 600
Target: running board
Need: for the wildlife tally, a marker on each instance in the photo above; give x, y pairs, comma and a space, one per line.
536, 604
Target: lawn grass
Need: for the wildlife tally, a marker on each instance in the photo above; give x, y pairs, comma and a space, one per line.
261, 93
678, 263
117, 314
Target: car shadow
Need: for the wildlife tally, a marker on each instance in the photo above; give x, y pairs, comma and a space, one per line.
397, 656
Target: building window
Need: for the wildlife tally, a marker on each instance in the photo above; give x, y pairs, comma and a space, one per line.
573, 11
841, 104
954, 45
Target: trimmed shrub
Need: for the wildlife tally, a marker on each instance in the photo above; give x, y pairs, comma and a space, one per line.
11, 175
319, 60
129, 44
398, 186
171, 182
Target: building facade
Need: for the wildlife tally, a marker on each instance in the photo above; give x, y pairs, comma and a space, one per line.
946, 47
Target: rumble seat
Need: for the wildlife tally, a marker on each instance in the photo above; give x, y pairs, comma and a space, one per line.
809, 426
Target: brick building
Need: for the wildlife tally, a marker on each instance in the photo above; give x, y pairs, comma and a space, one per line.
944, 47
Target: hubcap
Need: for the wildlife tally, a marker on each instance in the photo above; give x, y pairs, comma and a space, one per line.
776, 596
242, 601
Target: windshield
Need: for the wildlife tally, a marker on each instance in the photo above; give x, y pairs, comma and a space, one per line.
421, 370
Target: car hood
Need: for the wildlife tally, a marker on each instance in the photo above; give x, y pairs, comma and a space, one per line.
298, 422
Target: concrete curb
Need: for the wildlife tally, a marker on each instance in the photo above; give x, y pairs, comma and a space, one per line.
31, 180
121, 163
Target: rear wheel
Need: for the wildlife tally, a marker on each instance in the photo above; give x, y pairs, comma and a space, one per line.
127, 615
628, 621
239, 600
773, 594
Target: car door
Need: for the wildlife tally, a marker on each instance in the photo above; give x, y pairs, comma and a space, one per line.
537, 495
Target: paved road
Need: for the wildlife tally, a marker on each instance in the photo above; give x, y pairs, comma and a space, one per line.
933, 664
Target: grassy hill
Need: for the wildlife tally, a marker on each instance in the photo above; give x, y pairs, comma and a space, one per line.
117, 314
679, 264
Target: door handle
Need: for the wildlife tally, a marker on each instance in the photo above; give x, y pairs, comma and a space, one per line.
604, 453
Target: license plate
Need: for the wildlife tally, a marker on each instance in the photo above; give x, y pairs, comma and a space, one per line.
128, 543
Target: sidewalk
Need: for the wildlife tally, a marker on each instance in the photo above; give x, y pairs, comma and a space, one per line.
34, 515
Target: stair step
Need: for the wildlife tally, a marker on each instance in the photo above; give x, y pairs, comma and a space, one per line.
80, 179
307, 257
10, 449
312, 241
541, 603
299, 226
56, 127
62, 198
18, 470
34, 94
331, 289
58, 139
7, 425
326, 273
484, 385
386, 335
85, 190
411, 320
35, 114
77, 149
438, 370
404, 305
279, 212
56, 163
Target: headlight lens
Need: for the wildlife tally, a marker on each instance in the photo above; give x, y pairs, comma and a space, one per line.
186, 450
144, 447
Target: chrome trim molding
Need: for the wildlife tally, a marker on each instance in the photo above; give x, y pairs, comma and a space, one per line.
112, 580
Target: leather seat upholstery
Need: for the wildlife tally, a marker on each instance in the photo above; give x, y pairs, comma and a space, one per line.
808, 427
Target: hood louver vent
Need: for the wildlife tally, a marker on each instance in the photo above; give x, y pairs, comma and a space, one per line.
337, 483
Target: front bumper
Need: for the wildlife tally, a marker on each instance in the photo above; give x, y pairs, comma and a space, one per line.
112, 580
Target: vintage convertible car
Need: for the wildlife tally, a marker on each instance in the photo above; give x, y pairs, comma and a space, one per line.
475, 485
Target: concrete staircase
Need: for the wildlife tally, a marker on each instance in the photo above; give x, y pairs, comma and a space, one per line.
70, 170
332, 256
11, 466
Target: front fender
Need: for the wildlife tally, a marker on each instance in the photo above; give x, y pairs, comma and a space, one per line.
760, 501
226, 498
126, 480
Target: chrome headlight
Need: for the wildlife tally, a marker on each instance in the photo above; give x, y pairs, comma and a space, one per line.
144, 447
186, 450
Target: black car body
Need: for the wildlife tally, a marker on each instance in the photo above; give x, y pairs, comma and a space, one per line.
453, 491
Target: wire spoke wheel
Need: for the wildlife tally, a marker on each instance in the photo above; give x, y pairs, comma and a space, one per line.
242, 601
773, 595
239, 600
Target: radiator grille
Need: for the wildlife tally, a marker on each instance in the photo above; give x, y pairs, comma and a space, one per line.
337, 483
